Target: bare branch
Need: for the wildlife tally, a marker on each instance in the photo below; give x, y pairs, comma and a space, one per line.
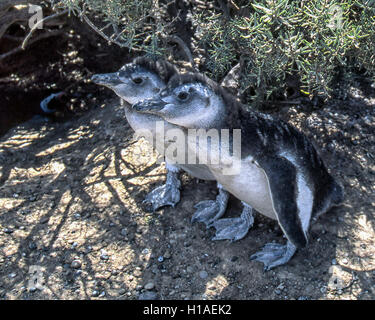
19, 49
13, 38
53, 16
96, 29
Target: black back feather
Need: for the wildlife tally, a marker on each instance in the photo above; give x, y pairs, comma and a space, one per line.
164, 69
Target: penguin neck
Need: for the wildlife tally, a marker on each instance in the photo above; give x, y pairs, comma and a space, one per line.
124, 104
236, 116
218, 117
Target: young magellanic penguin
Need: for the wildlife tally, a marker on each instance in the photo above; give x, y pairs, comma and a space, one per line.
279, 172
143, 78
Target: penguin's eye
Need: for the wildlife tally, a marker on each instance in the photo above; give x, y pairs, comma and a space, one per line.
183, 96
137, 80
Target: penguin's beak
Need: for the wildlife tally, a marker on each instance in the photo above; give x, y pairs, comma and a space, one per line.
106, 79
153, 105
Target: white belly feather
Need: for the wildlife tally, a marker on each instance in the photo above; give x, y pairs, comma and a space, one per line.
250, 185
141, 122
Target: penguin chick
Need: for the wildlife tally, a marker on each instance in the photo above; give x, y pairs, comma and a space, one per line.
141, 79
278, 172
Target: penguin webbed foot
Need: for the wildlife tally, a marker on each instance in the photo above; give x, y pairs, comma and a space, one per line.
208, 211
274, 254
234, 228
167, 194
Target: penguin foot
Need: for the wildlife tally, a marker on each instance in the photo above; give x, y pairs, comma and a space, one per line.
166, 195
274, 254
210, 210
234, 228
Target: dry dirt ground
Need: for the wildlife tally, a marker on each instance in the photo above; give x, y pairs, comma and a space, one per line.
73, 226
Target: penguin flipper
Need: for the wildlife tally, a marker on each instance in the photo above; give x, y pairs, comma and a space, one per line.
281, 175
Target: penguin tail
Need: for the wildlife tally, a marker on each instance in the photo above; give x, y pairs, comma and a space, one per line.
337, 194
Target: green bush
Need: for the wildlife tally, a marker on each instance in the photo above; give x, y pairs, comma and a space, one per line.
310, 42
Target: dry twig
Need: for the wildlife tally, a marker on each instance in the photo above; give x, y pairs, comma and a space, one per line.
53, 16
20, 48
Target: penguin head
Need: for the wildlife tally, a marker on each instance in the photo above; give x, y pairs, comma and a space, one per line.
186, 103
131, 83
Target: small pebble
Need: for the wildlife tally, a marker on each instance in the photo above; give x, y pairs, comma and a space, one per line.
149, 286
345, 261
44, 220
189, 269
8, 231
104, 255
334, 261
281, 286
76, 264
161, 259
124, 232
115, 272
121, 291
12, 275
148, 295
77, 273
203, 274
88, 249
74, 245
137, 273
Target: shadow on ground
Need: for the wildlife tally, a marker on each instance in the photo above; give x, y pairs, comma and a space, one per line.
71, 208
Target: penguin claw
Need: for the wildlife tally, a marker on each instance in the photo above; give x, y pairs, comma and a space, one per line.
274, 254
165, 195
233, 229
206, 211
209, 211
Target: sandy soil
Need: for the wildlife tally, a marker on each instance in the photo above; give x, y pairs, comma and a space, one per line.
73, 226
